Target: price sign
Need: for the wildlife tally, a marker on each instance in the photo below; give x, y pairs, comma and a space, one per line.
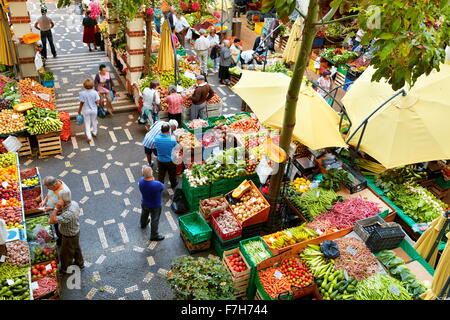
351, 250
317, 193
14, 116
48, 267
262, 254
5, 184
2, 258
346, 275
277, 274
271, 239
319, 232
34, 285
3, 202
288, 233
394, 290
10, 282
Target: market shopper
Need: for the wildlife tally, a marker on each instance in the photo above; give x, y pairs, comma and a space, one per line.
157, 15
165, 143
181, 28
151, 191
89, 24
45, 25
325, 83
174, 104
214, 50
89, 99
260, 46
201, 48
226, 61
104, 86
68, 221
202, 93
151, 102
236, 50
239, 7
250, 57
149, 139
55, 187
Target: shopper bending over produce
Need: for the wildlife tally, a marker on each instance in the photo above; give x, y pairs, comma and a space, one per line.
149, 139
89, 100
69, 226
55, 187
151, 191
104, 86
165, 143
174, 103
202, 93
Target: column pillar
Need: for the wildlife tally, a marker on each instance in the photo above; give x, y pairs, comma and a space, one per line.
20, 19
135, 35
113, 26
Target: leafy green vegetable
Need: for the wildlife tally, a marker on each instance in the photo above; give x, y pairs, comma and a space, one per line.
381, 287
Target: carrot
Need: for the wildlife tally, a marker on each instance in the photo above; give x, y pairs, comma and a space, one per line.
246, 125
272, 285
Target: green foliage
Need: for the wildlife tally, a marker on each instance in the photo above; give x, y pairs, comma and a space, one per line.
200, 279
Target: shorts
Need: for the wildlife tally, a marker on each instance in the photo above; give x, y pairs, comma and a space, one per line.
149, 151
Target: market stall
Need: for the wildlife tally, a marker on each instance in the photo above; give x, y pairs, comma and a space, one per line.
28, 268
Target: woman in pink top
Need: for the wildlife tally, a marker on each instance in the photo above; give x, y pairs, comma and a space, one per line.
174, 104
104, 87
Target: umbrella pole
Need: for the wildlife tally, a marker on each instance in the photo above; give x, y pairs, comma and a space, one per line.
440, 236
8, 36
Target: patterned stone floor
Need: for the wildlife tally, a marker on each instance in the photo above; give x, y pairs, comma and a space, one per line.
121, 262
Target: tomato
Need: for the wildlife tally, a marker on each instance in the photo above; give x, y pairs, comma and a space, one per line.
44, 273
34, 271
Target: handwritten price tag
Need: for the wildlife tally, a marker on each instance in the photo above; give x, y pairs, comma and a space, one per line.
277, 274
5, 184
10, 282
34, 285
346, 274
262, 254
14, 116
288, 233
351, 250
2, 258
3, 202
394, 290
48, 267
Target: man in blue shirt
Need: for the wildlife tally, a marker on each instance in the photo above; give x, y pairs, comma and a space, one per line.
151, 191
149, 139
165, 143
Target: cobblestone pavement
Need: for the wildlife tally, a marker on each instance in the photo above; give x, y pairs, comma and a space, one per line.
121, 262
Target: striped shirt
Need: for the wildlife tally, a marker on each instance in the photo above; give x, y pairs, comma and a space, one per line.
149, 139
164, 145
174, 103
68, 220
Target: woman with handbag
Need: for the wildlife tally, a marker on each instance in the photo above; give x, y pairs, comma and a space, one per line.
104, 87
151, 102
89, 100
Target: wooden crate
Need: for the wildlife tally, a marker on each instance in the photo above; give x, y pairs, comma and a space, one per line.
25, 150
240, 279
49, 144
214, 110
194, 248
233, 80
205, 215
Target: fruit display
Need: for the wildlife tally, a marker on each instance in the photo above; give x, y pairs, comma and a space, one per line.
45, 285
250, 204
226, 222
288, 237
381, 287
30, 182
9, 190
11, 202
28, 173
42, 121
196, 177
38, 102
189, 141
17, 253
251, 167
40, 253
208, 140
209, 206
236, 262
214, 100
216, 122
43, 269
8, 176
11, 121
301, 184
15, 288
356, 258
222, 133
12, 216
38, 229
313, 202
248, 125
8, 159
256, 251
296, 272
239, 116
180, 132
5, 104
335, 286
29, 87
197, 123
31, 198
339, 56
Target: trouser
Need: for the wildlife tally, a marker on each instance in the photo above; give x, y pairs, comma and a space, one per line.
182, 37
170, 168
90, 124
154, 214
155, 116
71, 252
47, 35
198, 111
202, 57
176, 116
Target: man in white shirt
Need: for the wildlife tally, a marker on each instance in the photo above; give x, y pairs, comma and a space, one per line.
181, 28
250, 57
214, 41
201, 47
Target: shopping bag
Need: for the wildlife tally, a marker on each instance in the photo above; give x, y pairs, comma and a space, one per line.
111, 93
101, 112
179, 204
80, 119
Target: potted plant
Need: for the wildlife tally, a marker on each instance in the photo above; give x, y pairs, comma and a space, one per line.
48, 79
200, 279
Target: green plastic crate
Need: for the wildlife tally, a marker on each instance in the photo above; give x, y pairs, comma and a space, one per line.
245, 253
195, 228
442, 183
194, 195
192, 130
212, 119
224, 186
246, 113
181, 52
219, 250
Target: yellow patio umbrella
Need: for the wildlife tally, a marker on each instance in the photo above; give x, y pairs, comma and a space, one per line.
408, 129
6, 57
425, 243
441, 274
165, 61
317, 124
293, 44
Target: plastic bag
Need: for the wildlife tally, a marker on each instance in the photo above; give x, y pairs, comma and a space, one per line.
80, 119
264, 170
42, 234
330, 249
179, 204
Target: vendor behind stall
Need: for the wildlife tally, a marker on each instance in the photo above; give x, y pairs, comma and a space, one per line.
250, 57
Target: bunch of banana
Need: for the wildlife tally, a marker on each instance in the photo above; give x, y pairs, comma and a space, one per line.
370, 166
315, 260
